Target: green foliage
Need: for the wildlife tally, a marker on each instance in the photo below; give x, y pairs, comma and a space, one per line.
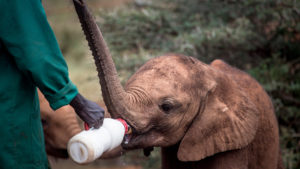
220, 29
147, 29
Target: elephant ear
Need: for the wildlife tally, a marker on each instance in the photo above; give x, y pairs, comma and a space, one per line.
229, 121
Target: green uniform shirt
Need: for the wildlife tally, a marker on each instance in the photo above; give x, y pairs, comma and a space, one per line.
29, 58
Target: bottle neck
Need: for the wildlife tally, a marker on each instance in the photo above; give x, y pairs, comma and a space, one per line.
126, 126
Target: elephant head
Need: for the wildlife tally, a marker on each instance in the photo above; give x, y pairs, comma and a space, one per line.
174, 99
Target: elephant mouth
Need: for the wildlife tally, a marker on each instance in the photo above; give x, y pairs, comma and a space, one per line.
137, 139
131, 139
134, 139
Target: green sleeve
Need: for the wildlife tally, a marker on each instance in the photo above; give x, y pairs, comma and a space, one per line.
27, 36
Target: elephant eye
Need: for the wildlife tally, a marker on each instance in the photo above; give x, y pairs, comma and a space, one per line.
166, 107
169, 104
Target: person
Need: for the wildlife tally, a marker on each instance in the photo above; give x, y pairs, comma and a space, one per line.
29, 58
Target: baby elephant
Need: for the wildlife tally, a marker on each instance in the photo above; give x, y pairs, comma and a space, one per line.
203, 116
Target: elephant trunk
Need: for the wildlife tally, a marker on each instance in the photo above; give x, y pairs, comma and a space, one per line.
113, 93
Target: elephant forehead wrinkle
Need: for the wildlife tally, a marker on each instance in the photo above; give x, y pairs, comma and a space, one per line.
139, 95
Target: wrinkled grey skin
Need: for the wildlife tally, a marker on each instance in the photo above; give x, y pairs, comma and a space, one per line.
203, 116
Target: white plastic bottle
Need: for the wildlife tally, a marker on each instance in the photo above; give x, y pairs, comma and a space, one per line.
89, 145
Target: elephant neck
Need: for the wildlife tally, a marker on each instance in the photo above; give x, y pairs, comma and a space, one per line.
170, 160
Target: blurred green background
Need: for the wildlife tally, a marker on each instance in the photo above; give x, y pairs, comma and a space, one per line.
261, 37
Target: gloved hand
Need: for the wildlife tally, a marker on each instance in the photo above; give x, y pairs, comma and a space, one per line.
88, 111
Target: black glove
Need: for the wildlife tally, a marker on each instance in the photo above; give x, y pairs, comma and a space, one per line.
88, 111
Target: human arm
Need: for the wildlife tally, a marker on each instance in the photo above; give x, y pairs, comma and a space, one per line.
28, 38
